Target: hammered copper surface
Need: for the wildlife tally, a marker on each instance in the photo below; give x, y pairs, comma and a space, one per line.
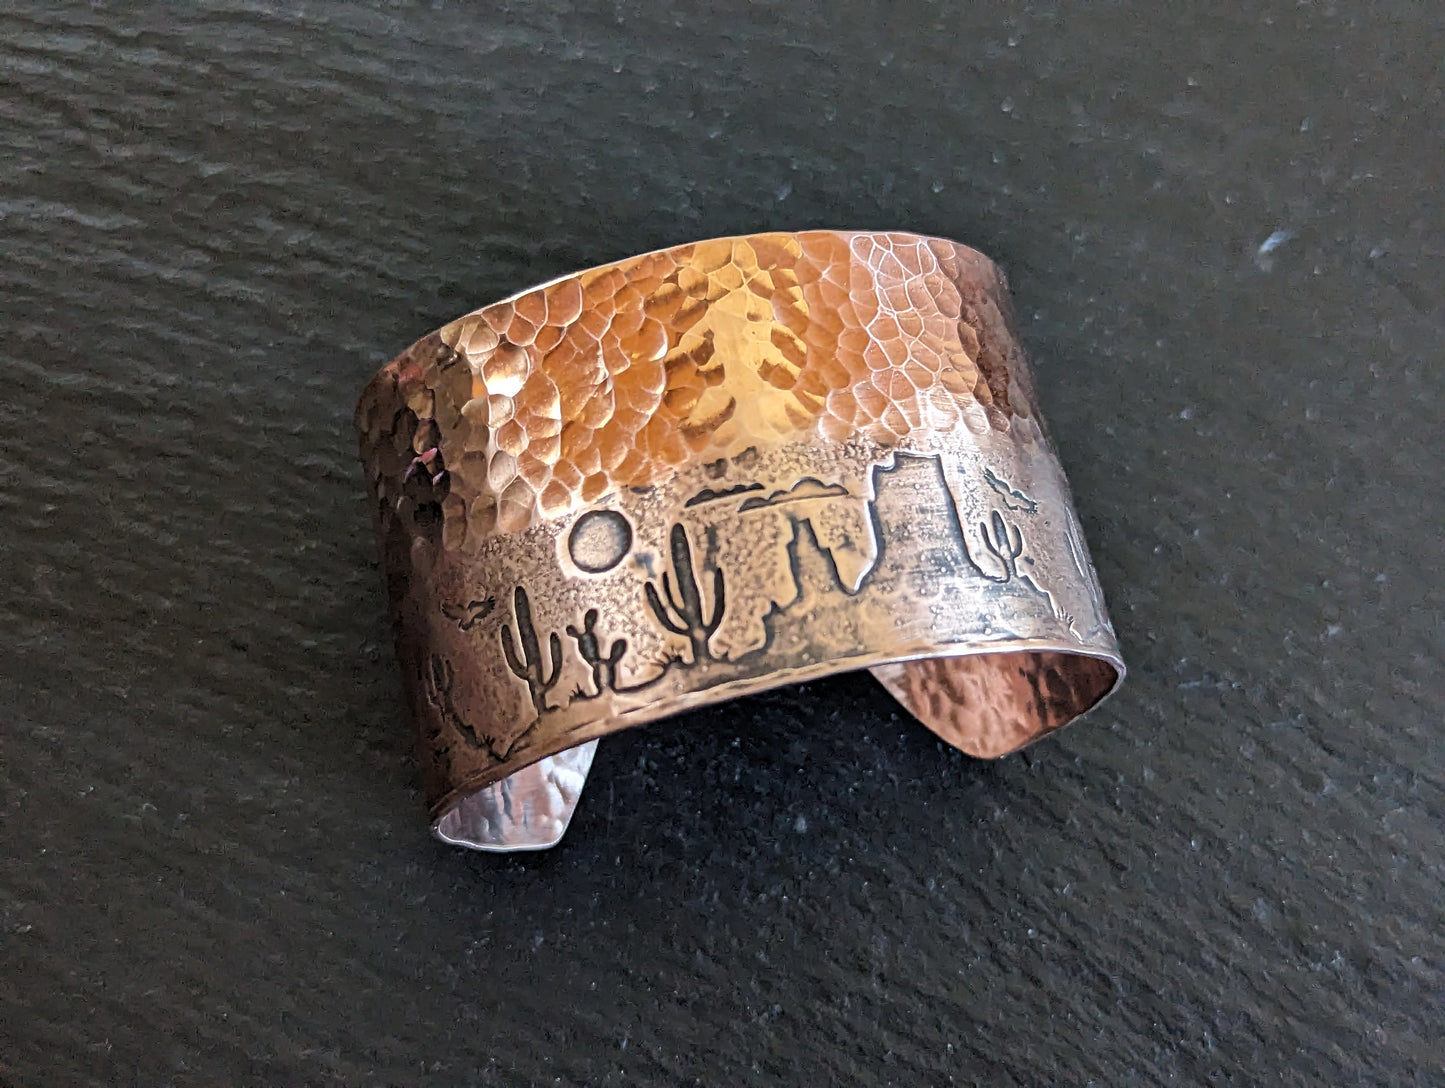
718, 468
615, 377
991, 704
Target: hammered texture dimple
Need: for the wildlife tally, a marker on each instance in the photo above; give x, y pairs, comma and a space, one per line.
615, 377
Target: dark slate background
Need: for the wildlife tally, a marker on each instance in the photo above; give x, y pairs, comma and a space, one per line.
217, 219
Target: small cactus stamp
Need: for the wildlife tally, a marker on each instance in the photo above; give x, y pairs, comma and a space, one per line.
687, 602
604, 667
529, 666
1005, 543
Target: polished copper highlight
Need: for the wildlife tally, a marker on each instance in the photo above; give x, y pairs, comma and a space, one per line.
709, 471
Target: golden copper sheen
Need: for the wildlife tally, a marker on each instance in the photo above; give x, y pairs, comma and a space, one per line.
709, 471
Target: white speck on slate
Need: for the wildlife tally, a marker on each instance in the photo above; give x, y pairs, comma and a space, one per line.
1274, 241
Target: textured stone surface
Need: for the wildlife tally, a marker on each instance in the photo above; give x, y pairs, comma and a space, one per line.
219, 220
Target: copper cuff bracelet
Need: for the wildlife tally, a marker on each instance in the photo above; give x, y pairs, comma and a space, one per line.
709, 471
